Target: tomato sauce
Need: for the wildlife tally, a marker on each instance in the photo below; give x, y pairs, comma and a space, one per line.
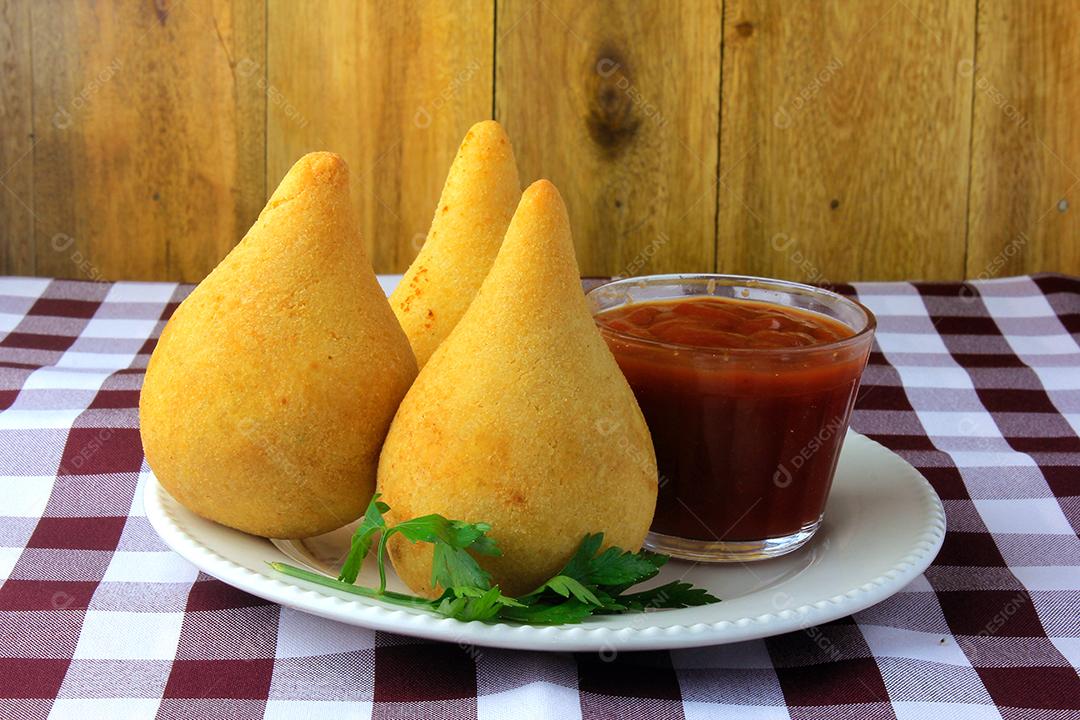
716, 322
747, 403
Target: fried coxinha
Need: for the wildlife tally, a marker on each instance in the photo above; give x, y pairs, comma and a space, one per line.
282, 376
522, 419
479, 197
268, 396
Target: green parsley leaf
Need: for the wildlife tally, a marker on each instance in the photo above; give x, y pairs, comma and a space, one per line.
580, 562
436, 528
570, 611
452, 565
676, 594
621, 569
372, 523
466, 603
593, 582
566, 586
613, 567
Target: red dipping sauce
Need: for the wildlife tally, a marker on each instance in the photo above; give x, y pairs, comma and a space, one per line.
747, 400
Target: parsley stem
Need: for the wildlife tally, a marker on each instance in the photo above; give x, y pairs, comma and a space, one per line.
593, 581
381, 557
382, 594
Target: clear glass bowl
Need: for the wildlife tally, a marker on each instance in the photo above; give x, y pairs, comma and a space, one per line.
746, 439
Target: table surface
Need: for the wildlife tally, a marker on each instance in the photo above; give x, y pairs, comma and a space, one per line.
976, 385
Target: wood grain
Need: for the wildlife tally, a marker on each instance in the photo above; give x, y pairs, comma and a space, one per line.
1025, 176
845, 140
16, 141
619, 109
150, 155
393, 87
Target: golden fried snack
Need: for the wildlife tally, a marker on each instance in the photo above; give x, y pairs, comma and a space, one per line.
272, 387
470, 220
522, 419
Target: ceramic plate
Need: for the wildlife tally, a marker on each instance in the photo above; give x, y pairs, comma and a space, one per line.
883, 525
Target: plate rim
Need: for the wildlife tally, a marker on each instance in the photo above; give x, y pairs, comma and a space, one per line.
374, 615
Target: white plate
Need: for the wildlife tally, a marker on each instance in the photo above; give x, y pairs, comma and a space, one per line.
883, 525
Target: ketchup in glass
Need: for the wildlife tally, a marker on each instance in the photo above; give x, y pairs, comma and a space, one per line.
747, 401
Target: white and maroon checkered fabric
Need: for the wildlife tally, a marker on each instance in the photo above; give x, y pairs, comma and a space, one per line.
976, 385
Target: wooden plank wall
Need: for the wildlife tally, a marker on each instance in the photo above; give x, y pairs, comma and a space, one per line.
823, 140
147, 159
393, 88
845, 139
620, 111
1024, 211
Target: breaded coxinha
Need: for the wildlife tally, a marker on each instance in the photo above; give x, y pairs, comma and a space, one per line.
522, 419
478, 200
268, 396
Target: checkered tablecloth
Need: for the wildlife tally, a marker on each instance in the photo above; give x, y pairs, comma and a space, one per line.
976, 385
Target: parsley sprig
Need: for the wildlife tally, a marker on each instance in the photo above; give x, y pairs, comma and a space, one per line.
593, 582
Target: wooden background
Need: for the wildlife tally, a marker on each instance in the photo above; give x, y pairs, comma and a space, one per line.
816, 139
